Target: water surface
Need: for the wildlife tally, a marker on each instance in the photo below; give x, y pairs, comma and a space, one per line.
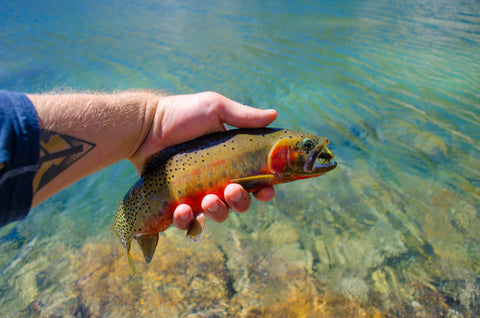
392, 232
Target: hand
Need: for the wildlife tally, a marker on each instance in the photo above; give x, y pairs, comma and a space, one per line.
184, 117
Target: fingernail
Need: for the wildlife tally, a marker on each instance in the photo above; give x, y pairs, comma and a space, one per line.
184, 216
213, 208
236, 196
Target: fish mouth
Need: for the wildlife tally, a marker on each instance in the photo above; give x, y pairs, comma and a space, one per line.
319, 160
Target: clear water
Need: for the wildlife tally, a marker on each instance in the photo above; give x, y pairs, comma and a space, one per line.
394, 231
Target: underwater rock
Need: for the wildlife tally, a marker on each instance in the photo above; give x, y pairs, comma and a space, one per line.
353, 288
430, 144
234, 279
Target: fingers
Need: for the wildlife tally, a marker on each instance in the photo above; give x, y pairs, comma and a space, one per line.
237, 198
183, 216
265, 194
215, 208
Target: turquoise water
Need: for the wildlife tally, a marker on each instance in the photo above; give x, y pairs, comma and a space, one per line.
392, 232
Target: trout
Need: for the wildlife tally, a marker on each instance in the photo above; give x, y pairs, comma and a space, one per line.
185, 173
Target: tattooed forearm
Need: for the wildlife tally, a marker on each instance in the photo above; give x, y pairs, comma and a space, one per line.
57, 153
84, 133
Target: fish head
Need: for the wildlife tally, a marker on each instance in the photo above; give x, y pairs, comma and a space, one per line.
299, 155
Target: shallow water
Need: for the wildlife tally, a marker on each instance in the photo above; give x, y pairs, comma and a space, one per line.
392, 232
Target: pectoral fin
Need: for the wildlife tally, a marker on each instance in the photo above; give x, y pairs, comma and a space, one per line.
255, 182
195, 232
148, 243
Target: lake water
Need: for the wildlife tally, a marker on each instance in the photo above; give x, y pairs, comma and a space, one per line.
394, 231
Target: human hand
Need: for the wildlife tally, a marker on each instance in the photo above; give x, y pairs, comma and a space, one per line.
184, 117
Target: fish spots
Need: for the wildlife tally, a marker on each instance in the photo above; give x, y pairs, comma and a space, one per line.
186, 173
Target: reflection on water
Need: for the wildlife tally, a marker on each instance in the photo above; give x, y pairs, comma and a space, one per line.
392, 232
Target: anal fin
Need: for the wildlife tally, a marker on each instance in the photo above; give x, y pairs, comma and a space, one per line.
148, 243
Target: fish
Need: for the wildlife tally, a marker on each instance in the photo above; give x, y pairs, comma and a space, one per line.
185, 173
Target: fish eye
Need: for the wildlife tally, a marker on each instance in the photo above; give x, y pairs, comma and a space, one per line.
308, 144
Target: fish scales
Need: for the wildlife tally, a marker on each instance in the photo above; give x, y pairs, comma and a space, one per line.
185, 173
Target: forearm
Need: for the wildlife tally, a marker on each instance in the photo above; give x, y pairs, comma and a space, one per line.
83, 133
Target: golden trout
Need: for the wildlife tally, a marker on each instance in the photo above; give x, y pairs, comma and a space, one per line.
185, 173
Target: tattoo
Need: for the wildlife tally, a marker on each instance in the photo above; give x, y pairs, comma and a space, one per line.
57, 153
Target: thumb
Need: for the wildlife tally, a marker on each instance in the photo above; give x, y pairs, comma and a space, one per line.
242, 116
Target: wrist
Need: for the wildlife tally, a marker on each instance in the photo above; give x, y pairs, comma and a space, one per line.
145, 105
149, 134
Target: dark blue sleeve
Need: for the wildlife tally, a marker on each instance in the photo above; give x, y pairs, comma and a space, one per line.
19, 153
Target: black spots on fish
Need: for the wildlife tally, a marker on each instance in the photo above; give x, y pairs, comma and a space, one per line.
233, 148
251, 139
